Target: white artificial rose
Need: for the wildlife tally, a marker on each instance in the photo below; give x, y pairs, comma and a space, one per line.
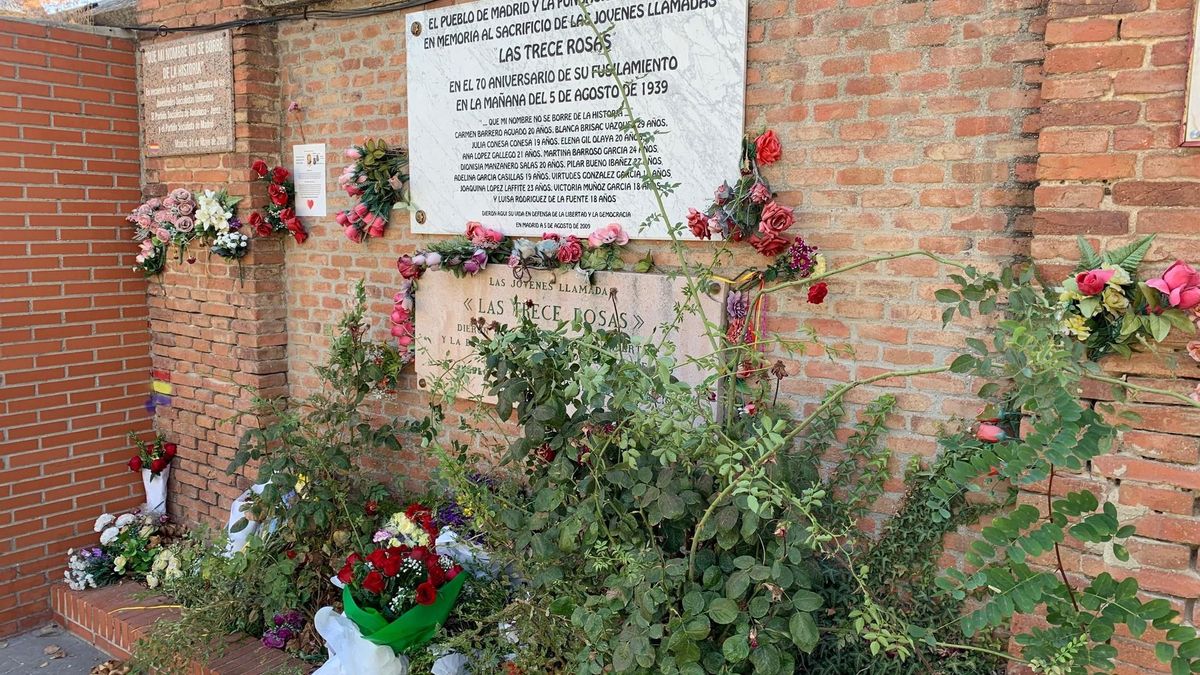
125, 519
102, 522
151, 581
108, 536
119, 563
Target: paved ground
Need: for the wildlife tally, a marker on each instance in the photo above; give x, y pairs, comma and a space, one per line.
30, 654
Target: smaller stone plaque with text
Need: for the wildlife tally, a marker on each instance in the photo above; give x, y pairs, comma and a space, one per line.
185, 91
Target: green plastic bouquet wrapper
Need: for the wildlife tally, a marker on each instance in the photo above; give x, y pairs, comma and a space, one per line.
412, 628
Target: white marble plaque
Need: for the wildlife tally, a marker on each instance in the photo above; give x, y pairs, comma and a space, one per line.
511, 112
446, 305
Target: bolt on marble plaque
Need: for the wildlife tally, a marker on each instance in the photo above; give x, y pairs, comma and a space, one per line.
511, 118
185, 91
446, 305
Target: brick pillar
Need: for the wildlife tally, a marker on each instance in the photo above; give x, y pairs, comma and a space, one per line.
218, 328
1110, 168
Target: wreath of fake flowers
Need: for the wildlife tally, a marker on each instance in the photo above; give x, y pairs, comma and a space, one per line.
179, 219
1109, 310
378, 177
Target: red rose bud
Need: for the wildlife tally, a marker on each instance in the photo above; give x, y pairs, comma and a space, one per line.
157, 465
373, 583
990, 433
426, 594
546, 453
342, 219
291, 554
817, 293
169, 450
135, 464
1093, 282
346, 574
279, 175
372, 507
259, 167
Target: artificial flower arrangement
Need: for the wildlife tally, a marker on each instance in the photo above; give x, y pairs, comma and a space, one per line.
1109, 310
155, 456
162, 223
480, 246
402, 592
280, 214
129, 546
378, 177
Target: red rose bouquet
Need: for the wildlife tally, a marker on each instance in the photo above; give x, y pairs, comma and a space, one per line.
400, 593
155, 456
280, 214
378, 177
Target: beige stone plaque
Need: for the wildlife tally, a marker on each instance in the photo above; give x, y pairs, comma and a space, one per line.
185, 89
446, 305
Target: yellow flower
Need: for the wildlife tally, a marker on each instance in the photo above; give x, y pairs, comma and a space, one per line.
1115, 301
301, 482
818, 265
1076, 325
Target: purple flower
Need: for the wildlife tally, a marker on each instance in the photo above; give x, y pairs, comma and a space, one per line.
737, 305
476, 262
451, 515
800, 258
234, 224
273, 639
293, 107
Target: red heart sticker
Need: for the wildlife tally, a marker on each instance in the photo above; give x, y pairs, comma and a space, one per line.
310, 203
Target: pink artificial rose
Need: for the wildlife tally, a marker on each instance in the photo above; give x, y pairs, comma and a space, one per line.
353, 153
1180, 283
407, 268
377, 225
989, 433
698, 223
361, 209
609, 234
342, 219
1093, 282
570, 251
767, 148
760, 194
353, 234
775, 219
482, 236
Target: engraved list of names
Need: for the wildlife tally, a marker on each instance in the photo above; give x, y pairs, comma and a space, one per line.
187, 95
511, 111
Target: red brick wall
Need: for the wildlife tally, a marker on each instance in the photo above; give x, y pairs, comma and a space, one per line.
1110, 168
74, 364
904, 125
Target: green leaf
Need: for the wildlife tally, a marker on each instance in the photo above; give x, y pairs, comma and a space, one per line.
964, 363
723, 611
946, 295
1130, 256
803, 631
1164, 651
806, 601
1088, 258
736, 648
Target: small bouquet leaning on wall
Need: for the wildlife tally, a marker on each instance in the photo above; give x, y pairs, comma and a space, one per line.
280, 214
153, 461
130, 543
378, 176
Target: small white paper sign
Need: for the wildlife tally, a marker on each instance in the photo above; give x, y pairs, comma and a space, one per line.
308, 171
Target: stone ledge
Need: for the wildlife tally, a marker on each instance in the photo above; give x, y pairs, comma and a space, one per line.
102, 617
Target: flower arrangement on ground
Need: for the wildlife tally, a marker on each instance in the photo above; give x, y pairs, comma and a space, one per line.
378, 176
401, 592
1108, 309
131, 541
89, 567
280, 214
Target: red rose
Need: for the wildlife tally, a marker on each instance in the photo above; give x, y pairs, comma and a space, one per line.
169, 450
570, 251
767, 148
157, 465
290, 553
698, 224
287, 214
259, 167
769, 244
775, 219
437, 576
1093, 282
546, 453
426, 594
419, 553
415, 509
817, 293
372, 507
377, 557
278, 195
260, 225
454, 571
353, 558
346, 574
300, 235
279, 175
135, 463
373, 583
408, 269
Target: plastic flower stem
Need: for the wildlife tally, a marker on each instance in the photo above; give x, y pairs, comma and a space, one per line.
862, 263
1140, 388
833, 398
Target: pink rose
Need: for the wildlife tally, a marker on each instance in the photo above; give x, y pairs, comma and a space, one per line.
769, 244
760, 194
1180, 283
698, 223
361, 209
775, 219
609, 234
353, 153
767, 148
342, 219
1093, 282
570, 251
353, 234
482, 236
407, 268
989, 433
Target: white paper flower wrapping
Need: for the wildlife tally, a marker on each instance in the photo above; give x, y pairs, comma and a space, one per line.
350, 653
